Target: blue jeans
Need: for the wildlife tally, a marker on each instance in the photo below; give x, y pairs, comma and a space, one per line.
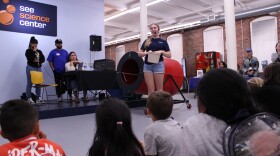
74, 85
155, 68
29, 84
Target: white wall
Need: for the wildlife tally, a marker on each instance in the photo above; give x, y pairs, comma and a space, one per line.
76, 21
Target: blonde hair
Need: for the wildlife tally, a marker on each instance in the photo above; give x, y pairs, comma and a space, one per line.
149, 40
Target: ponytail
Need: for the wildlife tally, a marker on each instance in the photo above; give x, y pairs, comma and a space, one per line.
147, 43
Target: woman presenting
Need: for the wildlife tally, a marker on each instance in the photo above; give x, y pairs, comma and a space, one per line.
154, 72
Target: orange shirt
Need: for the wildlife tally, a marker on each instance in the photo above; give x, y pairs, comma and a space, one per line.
31, 146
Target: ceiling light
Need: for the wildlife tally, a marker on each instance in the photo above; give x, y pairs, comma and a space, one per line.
131, 10
169, 29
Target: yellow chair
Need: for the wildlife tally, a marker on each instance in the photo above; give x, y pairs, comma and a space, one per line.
37, 78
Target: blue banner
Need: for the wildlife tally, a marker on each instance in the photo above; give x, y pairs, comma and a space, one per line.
28, 17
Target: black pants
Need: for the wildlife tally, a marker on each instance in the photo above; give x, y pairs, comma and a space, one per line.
61, 87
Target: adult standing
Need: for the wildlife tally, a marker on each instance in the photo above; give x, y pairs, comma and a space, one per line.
35, 58
275, 57
250, 64
154, 72
57, 59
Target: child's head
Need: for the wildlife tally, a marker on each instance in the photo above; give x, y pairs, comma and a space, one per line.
272, 74
222, 64
160, 104
114, 134
222, 93
112, 114
18, 119
266, 99
255, 83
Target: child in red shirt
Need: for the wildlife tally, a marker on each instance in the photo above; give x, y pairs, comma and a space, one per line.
20, 125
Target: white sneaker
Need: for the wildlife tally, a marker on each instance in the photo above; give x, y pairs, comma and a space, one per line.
39, 100
30, 101
72, 97
59, 99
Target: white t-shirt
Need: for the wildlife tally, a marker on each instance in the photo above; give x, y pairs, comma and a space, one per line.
203, 135
163, 138
68, 67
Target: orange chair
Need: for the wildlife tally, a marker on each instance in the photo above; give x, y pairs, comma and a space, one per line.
37, 78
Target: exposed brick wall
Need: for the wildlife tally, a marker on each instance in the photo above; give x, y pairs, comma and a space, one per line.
193, 42
278, 23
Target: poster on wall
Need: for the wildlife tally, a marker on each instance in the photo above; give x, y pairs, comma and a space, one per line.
28, 17
207, 60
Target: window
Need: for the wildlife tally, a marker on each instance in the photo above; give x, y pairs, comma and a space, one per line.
120, 51
175, 42
263, 38
213, 39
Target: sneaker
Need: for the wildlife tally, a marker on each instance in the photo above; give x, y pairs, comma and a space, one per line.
85, 99
59, 99
72, 97
39, 100
30, 101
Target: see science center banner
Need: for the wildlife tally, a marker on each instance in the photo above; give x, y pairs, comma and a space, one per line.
28, 17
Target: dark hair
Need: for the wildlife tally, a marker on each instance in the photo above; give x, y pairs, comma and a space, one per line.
266, 99
224, 93
224, 64
17, 119
69, 55
160, 104
32, 41
114, 135
272, 74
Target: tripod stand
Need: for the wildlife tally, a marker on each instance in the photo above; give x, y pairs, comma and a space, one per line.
169, 76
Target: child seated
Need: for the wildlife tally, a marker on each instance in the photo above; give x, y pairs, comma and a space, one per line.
114, 134
163, 136
223, 98
20, 125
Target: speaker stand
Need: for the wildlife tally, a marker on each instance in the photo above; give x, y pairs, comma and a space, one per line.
169, 76
93, 58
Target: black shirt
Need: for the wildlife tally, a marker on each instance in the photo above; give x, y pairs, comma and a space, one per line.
31, 55
155, 45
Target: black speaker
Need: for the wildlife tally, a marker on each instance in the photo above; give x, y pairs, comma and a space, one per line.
95, 43
104, 65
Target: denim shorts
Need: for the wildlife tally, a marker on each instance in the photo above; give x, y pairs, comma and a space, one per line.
154, 68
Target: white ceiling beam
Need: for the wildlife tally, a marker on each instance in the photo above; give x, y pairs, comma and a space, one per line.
191, 13
116, 6
207, 2
121, 26
182, 8
155, 14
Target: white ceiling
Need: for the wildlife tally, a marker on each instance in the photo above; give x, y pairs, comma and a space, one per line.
168, 13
